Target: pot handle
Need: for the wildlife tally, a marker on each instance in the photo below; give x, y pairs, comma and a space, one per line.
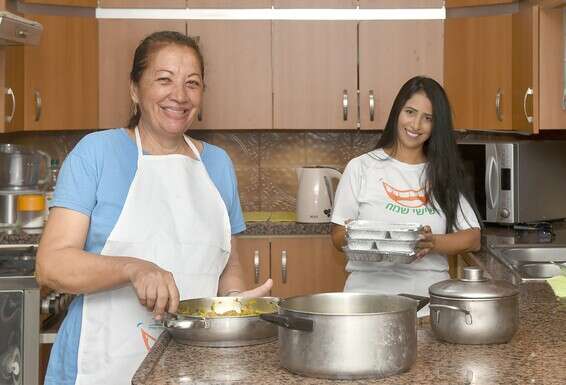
423, 301
289, 322
437, 307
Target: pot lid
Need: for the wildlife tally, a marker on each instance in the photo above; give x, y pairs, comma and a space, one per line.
473, 285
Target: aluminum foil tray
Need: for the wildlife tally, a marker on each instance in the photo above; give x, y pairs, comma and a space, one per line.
365, 229
379, 256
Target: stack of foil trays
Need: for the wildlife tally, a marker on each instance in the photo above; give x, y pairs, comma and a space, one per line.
374, 241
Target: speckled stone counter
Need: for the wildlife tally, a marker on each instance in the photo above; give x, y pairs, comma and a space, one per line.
19, 237
535, 355
285, 228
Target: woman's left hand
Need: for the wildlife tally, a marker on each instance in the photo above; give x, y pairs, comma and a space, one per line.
426, 242
260, 291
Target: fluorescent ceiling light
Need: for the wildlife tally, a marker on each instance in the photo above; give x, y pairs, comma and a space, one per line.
274, 14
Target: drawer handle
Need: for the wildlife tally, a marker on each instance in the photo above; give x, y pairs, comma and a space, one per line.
498, 105
284, 266
10, 92
345, 105
371, 106
37, 97
256, 266
527, 93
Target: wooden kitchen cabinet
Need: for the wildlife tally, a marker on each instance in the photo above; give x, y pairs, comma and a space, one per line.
471, 3
74, 3
314, 75
55, 83
164, 4
118, 40
392, 52
314, 71
525, 63
237, 70
297, 265
478, 71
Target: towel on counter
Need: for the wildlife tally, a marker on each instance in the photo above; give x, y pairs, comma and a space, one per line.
558, 284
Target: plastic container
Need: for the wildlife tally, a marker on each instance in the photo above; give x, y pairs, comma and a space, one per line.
31, 210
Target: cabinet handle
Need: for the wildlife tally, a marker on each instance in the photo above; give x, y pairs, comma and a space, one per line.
527, 93
256, 266
498, 105
10, 92
371, 106
284, 266
37, 97
345, 105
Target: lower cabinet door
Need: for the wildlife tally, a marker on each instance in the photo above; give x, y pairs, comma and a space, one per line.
306, 265
254, 258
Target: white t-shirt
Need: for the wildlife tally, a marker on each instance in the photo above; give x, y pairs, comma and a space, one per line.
375, 186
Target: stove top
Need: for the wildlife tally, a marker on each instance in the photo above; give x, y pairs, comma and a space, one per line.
17, 260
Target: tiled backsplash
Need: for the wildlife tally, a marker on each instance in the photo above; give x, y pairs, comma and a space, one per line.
265, 162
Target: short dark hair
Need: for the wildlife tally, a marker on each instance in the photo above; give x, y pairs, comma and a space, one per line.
445, 178
149, 46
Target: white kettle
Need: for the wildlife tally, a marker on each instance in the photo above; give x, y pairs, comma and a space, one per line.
315, 195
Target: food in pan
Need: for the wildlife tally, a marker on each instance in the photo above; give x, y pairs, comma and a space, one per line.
235, 308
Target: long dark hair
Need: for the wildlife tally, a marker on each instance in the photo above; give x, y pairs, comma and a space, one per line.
444, 170
149, 46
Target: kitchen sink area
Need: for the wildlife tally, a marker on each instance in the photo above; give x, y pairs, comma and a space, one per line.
532, 262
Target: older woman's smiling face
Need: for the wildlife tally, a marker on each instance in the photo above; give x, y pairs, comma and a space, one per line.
170, 90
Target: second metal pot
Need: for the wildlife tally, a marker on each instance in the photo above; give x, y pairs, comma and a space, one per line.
474, 310
347, 335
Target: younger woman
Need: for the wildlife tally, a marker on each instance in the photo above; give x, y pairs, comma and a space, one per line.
413, 176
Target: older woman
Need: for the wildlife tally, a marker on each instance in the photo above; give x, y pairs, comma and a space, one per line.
141, 217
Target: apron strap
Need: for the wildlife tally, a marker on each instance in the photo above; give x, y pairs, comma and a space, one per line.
138, 143
192, 147
140, 150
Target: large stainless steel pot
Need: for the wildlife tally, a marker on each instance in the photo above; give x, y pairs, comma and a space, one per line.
474, 310
22, 168
347, 335
192, 325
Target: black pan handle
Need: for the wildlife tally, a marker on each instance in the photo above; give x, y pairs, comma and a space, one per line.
423, 301
289, 322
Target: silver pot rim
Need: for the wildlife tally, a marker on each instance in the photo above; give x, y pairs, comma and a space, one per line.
461, 299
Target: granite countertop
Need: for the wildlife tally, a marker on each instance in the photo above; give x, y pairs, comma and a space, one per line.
535, 355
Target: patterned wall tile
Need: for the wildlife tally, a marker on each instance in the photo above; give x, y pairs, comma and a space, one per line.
364, 141
249, 188
243, 148
278, 189
328, 149
282, 149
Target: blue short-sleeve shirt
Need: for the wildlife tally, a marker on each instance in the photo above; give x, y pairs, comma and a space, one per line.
95, 179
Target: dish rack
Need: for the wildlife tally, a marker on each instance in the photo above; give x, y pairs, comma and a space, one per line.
373, 241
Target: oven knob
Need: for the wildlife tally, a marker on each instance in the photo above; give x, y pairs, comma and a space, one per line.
504, 213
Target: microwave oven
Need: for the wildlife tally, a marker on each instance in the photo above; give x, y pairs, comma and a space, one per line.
517, 181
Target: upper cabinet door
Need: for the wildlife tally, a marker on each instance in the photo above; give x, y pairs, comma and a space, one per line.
314, 75
478, 71
470, 3
392, 52
228, 4
237, 74
118, 40
552, 84
75, 3
60, 75
142, 4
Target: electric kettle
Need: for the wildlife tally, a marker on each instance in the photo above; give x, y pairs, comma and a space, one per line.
315, 195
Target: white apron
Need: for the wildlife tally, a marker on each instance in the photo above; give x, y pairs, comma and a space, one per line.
390, 192
174, 217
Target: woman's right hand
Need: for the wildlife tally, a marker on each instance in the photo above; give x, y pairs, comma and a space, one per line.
155, 287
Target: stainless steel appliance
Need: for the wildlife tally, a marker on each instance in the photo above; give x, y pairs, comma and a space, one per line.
22, 171
27, 315
517, 182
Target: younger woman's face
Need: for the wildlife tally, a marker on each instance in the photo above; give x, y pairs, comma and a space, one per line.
414, 125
